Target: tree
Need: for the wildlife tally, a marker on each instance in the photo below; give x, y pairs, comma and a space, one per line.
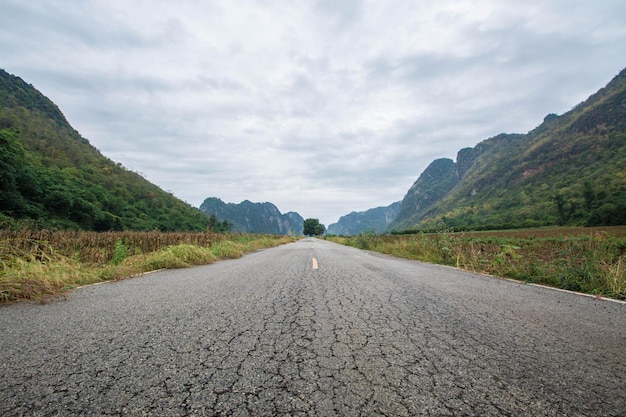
218, 227
11, 161
313, 227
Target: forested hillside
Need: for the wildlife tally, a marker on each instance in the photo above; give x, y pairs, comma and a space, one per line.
50, 176
570, 170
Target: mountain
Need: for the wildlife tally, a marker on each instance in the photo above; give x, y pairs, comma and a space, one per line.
50, 176
567, 171
435, 183
251, 217
373, 220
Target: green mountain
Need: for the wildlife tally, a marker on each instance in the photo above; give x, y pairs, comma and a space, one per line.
50, 176
435, 183
249, 217
570, 170
374, 220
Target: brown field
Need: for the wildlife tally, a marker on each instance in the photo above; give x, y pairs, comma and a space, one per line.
550, 232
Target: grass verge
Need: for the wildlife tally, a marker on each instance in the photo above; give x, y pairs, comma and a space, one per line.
592, 260
38, 269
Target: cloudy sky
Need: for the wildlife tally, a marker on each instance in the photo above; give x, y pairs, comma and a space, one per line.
321, 107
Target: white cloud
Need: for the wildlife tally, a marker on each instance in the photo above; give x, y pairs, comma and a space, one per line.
319, 107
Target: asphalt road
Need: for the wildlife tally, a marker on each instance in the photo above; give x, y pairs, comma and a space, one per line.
361, 335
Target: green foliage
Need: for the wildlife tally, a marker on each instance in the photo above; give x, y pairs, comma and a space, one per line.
506, 251
177, 256
313, 227
219, 227
52, 177
120, 252
228, 250
11, 171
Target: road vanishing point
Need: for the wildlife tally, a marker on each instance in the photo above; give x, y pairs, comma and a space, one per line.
314, 328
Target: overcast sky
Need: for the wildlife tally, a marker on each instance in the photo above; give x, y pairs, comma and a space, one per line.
320, 107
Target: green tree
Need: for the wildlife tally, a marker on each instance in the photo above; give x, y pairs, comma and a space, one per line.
313, 227
218, 227
11, 160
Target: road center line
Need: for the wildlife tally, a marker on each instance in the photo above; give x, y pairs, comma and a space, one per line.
314, 263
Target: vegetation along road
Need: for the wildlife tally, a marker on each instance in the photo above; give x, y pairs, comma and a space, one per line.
314, 328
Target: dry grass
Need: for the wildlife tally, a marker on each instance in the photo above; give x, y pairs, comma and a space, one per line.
98, 248
39, 264
591, 260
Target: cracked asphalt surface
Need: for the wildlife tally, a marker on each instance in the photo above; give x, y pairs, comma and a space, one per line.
363, 335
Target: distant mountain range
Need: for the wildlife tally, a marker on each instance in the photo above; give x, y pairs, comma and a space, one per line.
570, 170
248, 217
374, 220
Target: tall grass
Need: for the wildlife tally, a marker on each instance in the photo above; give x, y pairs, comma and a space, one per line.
587, 260
39, 264
99, 247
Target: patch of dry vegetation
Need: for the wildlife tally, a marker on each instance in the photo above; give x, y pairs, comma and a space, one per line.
39, 264
590, 260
